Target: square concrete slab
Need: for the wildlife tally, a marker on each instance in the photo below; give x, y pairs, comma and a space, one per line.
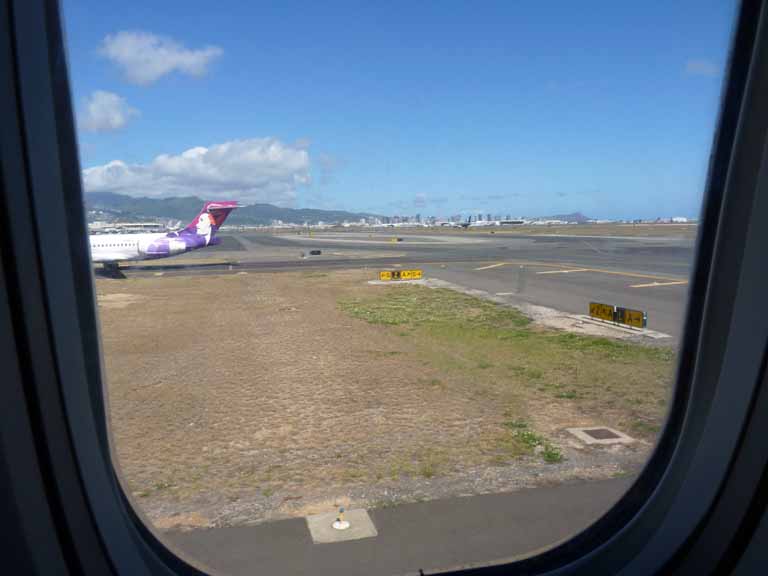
322, 531
600, 435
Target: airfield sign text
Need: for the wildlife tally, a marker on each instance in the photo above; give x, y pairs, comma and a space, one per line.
618, 315
400, 275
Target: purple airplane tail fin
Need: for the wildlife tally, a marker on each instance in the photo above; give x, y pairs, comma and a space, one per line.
210, 219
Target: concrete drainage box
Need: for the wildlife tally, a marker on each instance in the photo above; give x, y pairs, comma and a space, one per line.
600, 435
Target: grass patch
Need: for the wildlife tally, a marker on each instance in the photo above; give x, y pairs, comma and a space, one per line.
642, 428
401, 467
494, 352
515, 424
532, 442
353, 474
519, 440
429, 462
551, 454
407, 306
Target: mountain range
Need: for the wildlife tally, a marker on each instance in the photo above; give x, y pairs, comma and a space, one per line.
111, 206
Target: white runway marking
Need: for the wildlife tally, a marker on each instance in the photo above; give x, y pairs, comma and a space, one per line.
654, 284
505, 293
596, 249
491, 266
565, 271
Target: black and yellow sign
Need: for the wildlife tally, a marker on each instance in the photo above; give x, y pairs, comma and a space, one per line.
636, 318
400, 275
602, 311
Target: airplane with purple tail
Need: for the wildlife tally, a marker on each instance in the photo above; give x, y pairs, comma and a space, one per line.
109, 249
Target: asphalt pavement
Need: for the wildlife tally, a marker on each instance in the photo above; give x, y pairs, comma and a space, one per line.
430, 536
561, 272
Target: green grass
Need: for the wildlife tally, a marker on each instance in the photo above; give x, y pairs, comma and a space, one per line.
407, 306
353, 474
519, 439
496, 353
526, 440
552, 454
515, 424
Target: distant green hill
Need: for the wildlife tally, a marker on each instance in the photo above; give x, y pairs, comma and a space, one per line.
120, 206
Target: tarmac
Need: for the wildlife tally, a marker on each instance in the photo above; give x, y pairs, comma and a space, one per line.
562, 272
425, 537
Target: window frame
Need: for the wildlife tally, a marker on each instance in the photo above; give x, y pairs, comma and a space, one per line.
661, 522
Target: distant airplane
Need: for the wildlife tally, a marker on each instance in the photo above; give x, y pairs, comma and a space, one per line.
109, 249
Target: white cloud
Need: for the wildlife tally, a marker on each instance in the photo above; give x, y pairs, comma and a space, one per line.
256, 170
105, 111
145, 57
701, 67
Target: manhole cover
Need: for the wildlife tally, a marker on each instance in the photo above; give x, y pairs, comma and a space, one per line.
601, 433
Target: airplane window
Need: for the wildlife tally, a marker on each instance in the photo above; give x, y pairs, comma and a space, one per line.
408, 280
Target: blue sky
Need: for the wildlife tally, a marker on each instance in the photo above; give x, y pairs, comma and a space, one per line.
522, 108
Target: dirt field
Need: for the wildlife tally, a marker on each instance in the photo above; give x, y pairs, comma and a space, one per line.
239, 398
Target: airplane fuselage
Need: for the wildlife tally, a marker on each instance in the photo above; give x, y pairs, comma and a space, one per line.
121, 247
110, 249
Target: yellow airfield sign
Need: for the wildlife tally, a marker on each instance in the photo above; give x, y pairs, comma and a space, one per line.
618, 315
400, 275
636, 318
601, 311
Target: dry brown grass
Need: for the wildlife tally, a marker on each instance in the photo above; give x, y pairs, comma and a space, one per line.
247, 384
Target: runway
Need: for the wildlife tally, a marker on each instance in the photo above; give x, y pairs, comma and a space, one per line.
561, 272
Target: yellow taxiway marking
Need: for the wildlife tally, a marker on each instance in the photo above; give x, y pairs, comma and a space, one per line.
158, 273
566, 271
657, 280
560, 265
491, 266
637, 275
654, 284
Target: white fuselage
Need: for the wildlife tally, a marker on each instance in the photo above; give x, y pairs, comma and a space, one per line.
119, 247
